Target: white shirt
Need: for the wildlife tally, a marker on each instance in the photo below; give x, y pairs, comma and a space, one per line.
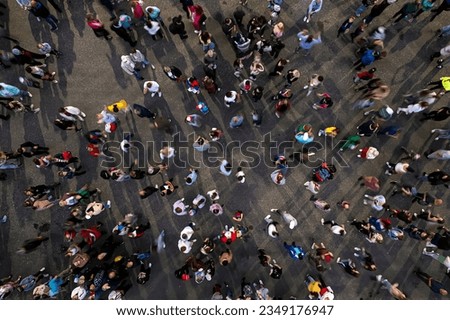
188, 232
153, 29
289, 219
179, 204
153, 88
185, 243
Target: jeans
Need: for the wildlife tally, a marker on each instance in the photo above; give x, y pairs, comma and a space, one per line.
360, 10
445, 31
137, 74
52, 21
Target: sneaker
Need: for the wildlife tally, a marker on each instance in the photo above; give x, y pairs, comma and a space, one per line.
305, 87
432, 131
357, 249
55, 81
273, 210
196, 31
305, 18
437, 138
98, 190
30, 95
156, 186
149, 264
4, 219
42, 269
338, 259
320, 133
53, 73
153, 67
379, 277
159, 94
38, 19
153, 94
108, 204
322, 221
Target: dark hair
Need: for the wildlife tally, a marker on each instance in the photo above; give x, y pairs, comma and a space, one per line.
225, 262
188, 180
320, 78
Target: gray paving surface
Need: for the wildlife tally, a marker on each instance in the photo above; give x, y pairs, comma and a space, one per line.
90, 76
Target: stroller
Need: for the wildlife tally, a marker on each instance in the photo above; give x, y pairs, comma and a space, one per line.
323, 173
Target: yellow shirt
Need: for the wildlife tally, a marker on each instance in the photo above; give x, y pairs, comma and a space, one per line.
314, 287
118, 106
330, 131
446, 83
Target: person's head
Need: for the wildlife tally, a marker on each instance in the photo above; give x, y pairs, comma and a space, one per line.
62, 203
90, 17
183, 248
229, 94
378, 238
225, 263
228, 21
438, 202
178, 210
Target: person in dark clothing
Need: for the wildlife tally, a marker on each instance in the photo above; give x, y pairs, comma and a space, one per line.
41, 11
39, 190
143, 112
435, 286
144, 273
109, 5
123, 33
228, 27
445, 6
24, 56
66, 124
31, 244
377, 10
177, 27
440, 241
279, 67
173, 73
257, 93
29, 149
406, 11
277, 46
436, 178
437, 115
239, 15
148, 191
186, 4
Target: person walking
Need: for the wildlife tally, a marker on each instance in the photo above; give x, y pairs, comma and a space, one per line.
138, 57
41, 11
152, 87
9, 91
307, 41
434, 285
123, 33
129, 67
314, 7
97, 26
177, 27
437, 115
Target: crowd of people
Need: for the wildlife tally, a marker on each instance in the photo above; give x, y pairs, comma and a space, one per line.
99, 265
